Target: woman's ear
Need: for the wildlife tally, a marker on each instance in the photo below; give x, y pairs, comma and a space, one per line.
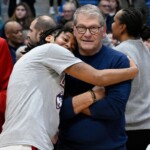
124, 27
49, 39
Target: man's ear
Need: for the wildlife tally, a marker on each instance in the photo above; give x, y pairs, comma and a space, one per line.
49, 39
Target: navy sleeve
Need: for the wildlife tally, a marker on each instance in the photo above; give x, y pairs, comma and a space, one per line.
112, 106
67, 110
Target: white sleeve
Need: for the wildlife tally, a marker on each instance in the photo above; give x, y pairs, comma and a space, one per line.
59, 58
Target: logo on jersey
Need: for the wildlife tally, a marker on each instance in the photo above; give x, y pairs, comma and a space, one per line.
59, 99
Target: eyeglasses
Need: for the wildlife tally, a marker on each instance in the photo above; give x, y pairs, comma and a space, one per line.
68, 11
105, 6
82, 29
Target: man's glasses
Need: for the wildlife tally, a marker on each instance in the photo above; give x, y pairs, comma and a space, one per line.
82, 29
68, 11
105, 6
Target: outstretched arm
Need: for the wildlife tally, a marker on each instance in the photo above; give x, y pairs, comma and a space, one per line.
106, 77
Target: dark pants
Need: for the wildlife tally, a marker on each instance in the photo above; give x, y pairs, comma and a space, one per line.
138, 139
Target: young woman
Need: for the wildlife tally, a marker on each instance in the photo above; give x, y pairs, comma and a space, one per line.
22, 15
127, 29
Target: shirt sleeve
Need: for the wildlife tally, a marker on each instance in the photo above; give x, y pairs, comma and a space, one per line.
112, 106
60, 58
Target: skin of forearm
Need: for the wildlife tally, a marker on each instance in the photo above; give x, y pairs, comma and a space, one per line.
100, 93
82, 102
116, 76
86, 112
101, 77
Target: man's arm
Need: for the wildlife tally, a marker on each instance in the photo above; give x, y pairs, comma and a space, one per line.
100, 94
106, 77
120, 91
112, 105
80, 103
83, 101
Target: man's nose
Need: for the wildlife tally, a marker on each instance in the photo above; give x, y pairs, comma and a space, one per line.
87, 32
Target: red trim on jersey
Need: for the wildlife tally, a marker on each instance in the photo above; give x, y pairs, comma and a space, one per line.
33, 148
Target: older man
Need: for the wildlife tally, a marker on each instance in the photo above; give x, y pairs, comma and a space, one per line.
102, 125
14, 34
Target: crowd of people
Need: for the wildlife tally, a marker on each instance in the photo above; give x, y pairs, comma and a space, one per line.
76, 80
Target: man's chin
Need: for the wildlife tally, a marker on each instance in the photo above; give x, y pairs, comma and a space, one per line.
87, 47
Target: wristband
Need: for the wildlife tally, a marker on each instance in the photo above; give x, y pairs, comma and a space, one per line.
93, 95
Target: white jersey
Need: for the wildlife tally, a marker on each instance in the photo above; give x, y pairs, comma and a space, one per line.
34, 97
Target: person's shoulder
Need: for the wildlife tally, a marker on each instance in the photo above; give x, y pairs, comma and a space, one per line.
3, 44
127, 46
2, 40
113, 51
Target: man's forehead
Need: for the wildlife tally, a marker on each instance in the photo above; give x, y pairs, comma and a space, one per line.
33, 24
89, 17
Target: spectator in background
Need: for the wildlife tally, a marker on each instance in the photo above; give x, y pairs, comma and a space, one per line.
12, 5
14, 35
6, 66
23, 15
67, 14
60, 10
114, 6
31, 5
127, 28
104, 8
